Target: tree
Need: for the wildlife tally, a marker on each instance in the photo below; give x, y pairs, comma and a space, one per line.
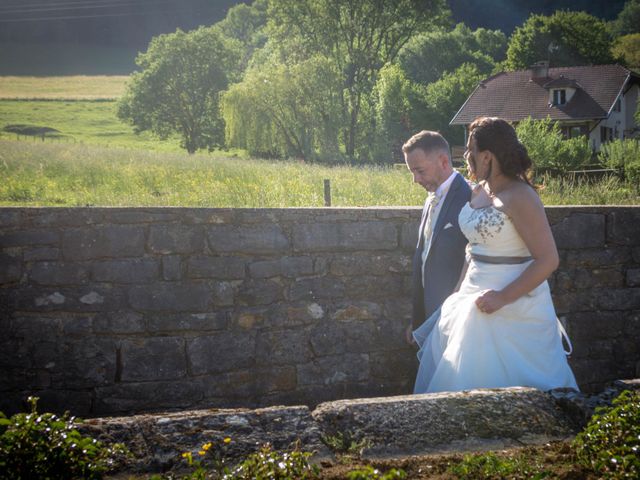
246, 23
359, 37
177, 90
564, 38
626, 49
428, 55
628, 20
445, 97
281, 110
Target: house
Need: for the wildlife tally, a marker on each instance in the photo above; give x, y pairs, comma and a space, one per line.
598, 101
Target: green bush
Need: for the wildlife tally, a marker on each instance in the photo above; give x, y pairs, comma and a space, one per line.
548, 149
622, 155
42, 445
489, 465
370, 473
610, 443
272, 465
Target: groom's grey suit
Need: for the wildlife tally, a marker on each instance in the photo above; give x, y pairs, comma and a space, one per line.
446, 254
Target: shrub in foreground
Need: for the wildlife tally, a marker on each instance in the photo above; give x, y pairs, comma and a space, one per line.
43, 445
610, 443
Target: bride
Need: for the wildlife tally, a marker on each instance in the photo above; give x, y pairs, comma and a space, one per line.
499, 328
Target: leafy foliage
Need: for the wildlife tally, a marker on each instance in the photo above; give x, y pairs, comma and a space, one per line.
427, 56
281, 110
548, 149
268, 464
627, 49
34, 445
370, 473
564, 38
177, 89
610, 443
623, 155
628, 20
490, 465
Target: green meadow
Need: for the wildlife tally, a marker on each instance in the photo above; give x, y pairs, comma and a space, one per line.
95, 159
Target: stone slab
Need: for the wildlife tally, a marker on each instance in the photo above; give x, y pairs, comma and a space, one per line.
157, 441
446, 422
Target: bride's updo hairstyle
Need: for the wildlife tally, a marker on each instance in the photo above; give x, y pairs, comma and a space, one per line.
499, 137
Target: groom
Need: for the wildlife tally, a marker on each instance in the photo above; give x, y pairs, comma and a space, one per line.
439, 255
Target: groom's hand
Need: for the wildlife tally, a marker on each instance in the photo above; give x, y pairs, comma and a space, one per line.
408, 335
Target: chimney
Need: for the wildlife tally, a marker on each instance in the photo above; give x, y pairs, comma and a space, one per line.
539, 70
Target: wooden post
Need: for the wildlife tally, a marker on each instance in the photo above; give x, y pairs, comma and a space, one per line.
327, 192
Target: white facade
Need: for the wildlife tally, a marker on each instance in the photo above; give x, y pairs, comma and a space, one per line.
620, 122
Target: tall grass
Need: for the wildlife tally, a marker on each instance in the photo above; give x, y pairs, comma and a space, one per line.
77, 175
609, 190
76, 87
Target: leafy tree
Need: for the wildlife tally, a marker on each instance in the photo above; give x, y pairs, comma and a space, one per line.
628, 20
445, 97
246, 23
281, 110
626, 49
428, 55
564, 38
359, 37
177, 89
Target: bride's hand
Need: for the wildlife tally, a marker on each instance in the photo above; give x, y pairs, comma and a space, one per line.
490, 301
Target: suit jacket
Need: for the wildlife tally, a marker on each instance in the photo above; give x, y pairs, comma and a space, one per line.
446, 254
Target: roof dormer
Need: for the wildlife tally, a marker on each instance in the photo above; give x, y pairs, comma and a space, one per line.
561, 90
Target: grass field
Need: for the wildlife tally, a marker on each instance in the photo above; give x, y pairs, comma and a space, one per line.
75, 175
76, 87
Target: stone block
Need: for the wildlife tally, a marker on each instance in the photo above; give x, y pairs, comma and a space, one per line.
67, 217
149, 359
21, 238
260, 292
329, 338
311, 289
290, 267
167, 435
140, 216
471, 420
10, 269
623, 226
362, 264
58, 273
171, 267
580, 230
619, 299
247, 239
188, 322
12, 217
284, 347
304, 313
334, 370
597, 257
134, 270
170, 297
89, 363
129, 398
77, 325
376, 287
118, 322
223, 293
172, 239
409, 236
396, 365
318, 237
346, 312
633, 277
103, 242
69, 299
222, 352
41, 253
225, 268
594, 325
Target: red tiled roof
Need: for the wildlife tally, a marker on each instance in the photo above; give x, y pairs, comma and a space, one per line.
514, 96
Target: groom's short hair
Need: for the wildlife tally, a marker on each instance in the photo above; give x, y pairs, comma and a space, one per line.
428, 141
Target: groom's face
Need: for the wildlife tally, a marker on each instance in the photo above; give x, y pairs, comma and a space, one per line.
428, 169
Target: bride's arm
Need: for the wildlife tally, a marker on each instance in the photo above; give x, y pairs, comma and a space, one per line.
527, 213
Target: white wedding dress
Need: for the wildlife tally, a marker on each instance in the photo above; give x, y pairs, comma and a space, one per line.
462, 348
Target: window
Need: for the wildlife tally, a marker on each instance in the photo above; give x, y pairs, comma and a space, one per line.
559, 97
575, 132
606, 134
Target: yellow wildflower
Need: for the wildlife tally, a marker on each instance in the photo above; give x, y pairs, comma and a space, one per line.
227, 440
206, 446
202, 452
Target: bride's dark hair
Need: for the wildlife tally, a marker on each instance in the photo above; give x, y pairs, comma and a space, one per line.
499, 137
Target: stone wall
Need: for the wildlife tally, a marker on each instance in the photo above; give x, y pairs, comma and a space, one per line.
121, 310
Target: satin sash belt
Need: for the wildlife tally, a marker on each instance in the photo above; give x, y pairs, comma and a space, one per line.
500, 260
